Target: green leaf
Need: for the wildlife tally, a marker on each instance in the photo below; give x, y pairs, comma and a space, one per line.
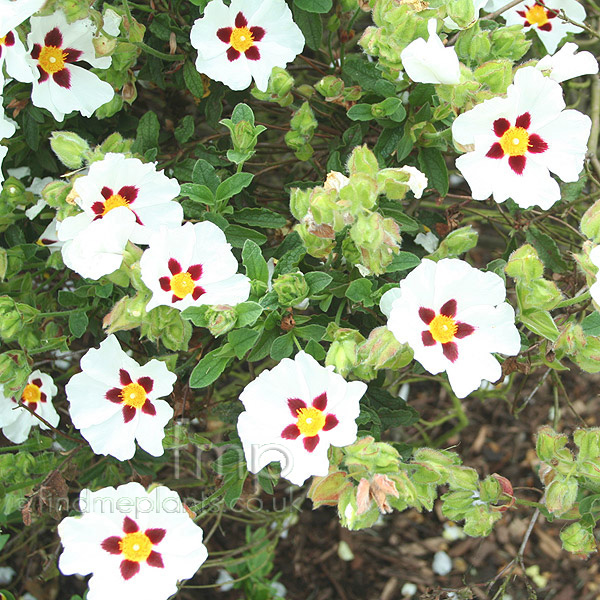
210, 367
198, 193
314, 6
591, 325
368, 76
233, 185
360, 291
4, 537
317, 281
263, 345
193, 79
433, 165
78, 323
196, 314
282, 347
311, 332
253, 260
248, 313
204, 174
242, 112
237, 236
402, 262
404, 148
185, 130
547, 250
360, 112
311, 26
259, 217
540, 322
147, 133
315, 350
242, 340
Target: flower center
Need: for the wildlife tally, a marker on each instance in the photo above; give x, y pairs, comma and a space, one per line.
515, 141
537, 15
241, 39
443, 329
182, 284
136, 546
31, 393
52, 59
114, 201
133, 394
3, 40
310, 421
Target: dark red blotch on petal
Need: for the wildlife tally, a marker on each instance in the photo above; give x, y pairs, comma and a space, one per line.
155, 560
72, 55
450, 350
330, 422
291, 432
320, 402
54, 38
310, 443
295, 405
252, 53
128, 413
463, 330
517, 164
523, 120
427, 315
9, 40
258, 33
165, 284
106, 192
35, 52
198, 291
232, 54
129, 568
129, 192
174, 266
240, 20
111, 545
63, 78
536, 144
501, 126
224, 34
427, 338
155, 535
129, 525
495, 151
114, 395
449, 308
147, 383
195, 271
148, 408
124, 377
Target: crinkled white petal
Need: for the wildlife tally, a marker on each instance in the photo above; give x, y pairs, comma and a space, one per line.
567, 63
15, 59
14, 12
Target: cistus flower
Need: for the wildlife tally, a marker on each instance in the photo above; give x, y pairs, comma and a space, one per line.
97, 249
15, 421
430, 61
63, 86
245, 40
293, 413
7, 129
544, 18
567, 63
192, 265
14, 12
516, 141
136, 544
114, 401
454, 317
14, 56
118, 181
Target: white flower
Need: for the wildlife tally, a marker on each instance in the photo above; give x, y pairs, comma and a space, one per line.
417, 181
14, 56
16, 422
119, 181
7, 126
49, 237
36, 187
430, 61
245, 40
96, 248
454, 317
595, 287
543, 17
336, 181
63, 86
294, 412
136, 544
14, 12
192, 265
115, 401
112, 22
516, 141
3, 153
566, 63
428, 240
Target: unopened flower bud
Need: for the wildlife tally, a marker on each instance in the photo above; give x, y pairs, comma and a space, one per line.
220, 319
71, 149
291, 288
362, 160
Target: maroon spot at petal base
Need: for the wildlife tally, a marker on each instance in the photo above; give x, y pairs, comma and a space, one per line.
155, 560
35, 53
310, 443
147, 383
536, 144
175, 298
106, 192
320, 402
232, 54
522, 13
72, 55
240, 20
111, 545
165, 284
449, 308
291, 432
252, 53
295, 405
98, 208
523, 120
37, 382
148, 408
501, 126
10, 38
54, 38
330, 422
427, 338
129, 192
427, 315
174, 266
198, 291
450, 350
517, 164
195, 271
43, 75
114, 395
63, 78
129, 525
546, 27
43, 397
495, 151
463, 330
129, 569
128, 413
258, 33
124, 377
224, 34
155, 535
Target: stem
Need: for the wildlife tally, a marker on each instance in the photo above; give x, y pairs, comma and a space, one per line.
158, 53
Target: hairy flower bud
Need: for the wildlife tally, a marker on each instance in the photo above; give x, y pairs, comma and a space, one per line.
71, 149
291, 288
220, 319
